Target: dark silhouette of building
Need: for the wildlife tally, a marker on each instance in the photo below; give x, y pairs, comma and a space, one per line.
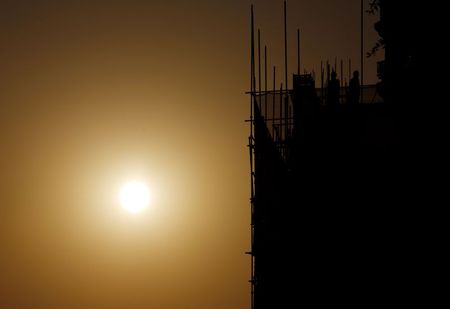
400, 42
330, 226
401, 84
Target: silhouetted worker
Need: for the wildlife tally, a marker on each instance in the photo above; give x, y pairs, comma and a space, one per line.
354, 89
333, 92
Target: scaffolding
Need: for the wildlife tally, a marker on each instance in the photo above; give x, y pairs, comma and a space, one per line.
283, 124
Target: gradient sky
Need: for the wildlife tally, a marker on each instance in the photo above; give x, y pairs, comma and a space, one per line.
94, 93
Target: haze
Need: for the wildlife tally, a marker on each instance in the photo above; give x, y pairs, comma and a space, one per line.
94, 93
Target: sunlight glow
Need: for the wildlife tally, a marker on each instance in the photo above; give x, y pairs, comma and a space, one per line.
134, 196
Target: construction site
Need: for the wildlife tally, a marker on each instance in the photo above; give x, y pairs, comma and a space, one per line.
325, 160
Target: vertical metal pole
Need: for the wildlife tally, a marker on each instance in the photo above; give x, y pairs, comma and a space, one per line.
252, 190
259, 64
280, 131
265, 81
285, 69
286, 114
298, 51
285, 48
252, 73
273, 102
362, 49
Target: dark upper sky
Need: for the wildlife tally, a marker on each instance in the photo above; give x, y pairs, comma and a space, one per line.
94, 93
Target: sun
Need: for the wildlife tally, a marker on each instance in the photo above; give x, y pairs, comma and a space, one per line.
134, 196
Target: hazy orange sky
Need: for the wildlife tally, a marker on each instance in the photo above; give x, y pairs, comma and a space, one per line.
95, 93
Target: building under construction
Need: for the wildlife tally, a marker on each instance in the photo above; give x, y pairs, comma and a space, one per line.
325, 200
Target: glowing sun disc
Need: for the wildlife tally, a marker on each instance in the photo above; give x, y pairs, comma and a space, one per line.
134, 196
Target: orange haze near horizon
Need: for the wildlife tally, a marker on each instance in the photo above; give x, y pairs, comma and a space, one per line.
95, 93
